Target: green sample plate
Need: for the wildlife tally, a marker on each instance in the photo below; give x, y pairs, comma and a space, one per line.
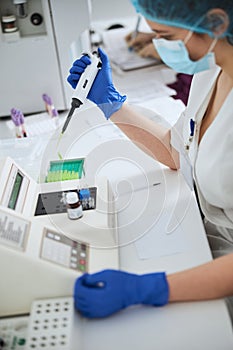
62, 170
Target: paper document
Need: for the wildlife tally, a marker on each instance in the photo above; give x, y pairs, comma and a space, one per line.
120, 55
142, 85
162, 239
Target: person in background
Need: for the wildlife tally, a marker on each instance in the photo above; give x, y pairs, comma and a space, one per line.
142, 43
192, 37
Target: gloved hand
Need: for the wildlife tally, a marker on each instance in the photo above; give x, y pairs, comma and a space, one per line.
103, 293
102, 92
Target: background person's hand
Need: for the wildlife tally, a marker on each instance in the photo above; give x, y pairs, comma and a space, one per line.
149, 51
142, 44
142, 39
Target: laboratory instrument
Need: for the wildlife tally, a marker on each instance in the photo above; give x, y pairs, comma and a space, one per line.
52, 324
103, 92
84, 85
14, 332
44, 251
40, 47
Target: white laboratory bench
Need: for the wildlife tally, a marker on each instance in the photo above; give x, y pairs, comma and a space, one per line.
142, 208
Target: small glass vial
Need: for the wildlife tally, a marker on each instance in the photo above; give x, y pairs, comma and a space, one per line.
74, 206
9, 24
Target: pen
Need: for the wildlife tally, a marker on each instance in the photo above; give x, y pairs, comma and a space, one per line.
192, 127
135, 32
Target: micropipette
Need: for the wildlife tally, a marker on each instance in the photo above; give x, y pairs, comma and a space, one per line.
84, 85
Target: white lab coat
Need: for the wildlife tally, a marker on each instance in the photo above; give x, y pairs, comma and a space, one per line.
212, 160
210, 163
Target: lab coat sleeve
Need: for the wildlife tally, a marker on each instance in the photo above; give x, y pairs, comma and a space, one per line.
177, 139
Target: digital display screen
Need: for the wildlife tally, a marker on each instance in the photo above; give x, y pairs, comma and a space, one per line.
15, 191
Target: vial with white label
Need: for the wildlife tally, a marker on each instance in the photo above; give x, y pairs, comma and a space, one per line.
74, 206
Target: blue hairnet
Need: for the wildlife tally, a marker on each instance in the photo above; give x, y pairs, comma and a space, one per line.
187, 14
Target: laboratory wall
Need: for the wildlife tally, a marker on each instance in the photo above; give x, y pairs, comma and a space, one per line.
111, 9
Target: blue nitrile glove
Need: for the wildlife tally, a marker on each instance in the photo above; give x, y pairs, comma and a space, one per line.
103, 293
103, 92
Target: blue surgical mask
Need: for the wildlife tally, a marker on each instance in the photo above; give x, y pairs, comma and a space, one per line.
175, 55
